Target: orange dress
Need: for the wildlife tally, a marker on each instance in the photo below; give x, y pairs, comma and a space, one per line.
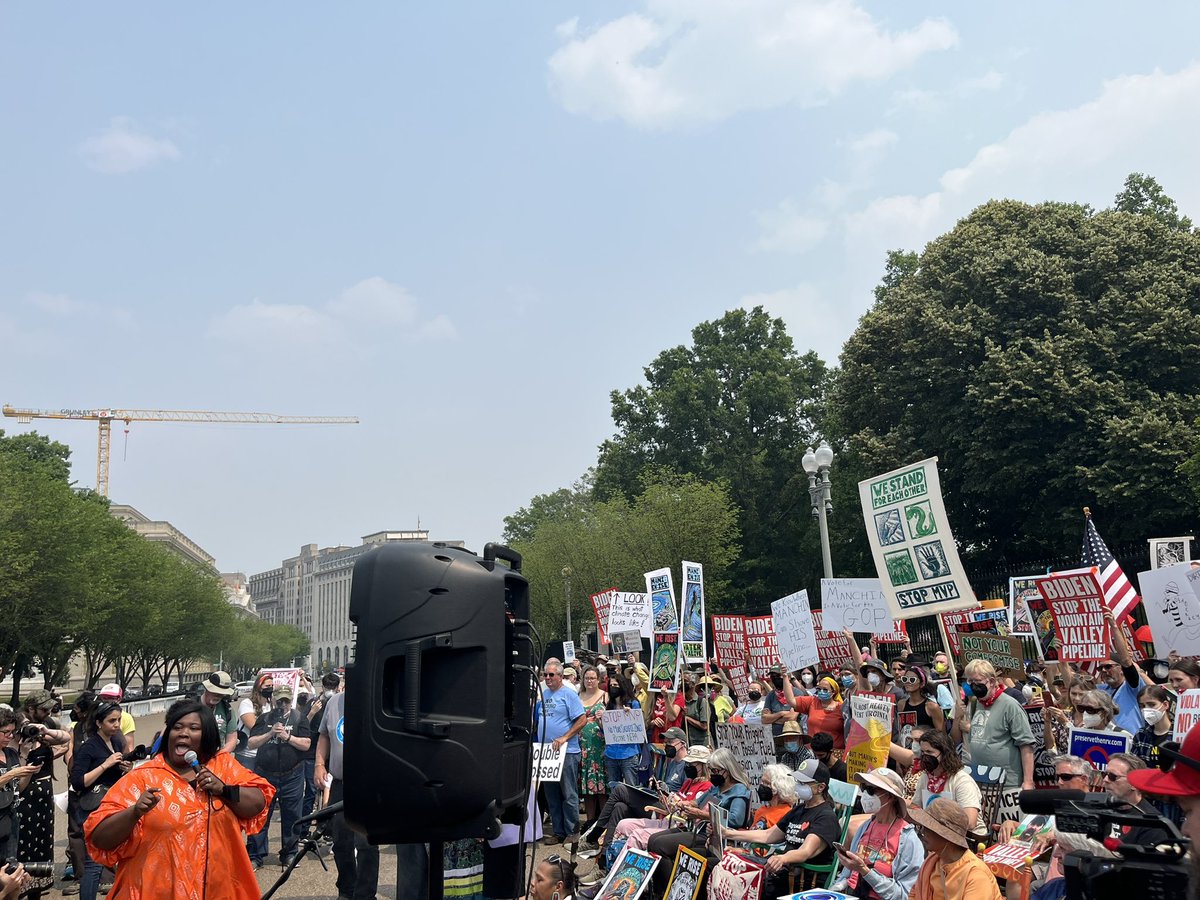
173, 846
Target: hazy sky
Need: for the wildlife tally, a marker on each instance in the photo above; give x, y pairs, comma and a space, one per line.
466, 223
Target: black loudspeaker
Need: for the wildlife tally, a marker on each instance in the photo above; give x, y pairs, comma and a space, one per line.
436, 736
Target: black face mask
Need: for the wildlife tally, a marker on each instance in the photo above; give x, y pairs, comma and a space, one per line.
690, 771
755, 696
979, 690
777, 680
267, 692
670, 751
764, 793
928, 762
718, 780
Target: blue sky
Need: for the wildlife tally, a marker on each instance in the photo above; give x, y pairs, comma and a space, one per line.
467, 223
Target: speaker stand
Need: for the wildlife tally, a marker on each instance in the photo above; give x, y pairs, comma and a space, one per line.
437, 870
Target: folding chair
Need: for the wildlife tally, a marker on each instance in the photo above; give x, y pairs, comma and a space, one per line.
807, 876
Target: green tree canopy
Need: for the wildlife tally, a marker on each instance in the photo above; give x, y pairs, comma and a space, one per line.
1144, 196
1045, 354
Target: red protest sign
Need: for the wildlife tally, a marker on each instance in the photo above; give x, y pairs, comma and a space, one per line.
600, 605
762, 651
1076, 602
729, 640
897, 636
833, 647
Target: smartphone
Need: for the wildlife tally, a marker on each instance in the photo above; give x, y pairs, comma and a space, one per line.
841, 848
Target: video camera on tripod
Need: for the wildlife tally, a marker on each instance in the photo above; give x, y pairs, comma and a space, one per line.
1152, 870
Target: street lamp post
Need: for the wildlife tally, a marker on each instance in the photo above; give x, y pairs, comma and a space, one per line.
816, 463
567, 572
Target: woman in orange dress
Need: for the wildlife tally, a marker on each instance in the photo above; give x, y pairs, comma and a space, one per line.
172, 829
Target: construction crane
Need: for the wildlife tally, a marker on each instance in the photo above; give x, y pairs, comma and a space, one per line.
105, 419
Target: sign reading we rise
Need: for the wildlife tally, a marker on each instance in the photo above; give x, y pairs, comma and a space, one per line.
1076, 601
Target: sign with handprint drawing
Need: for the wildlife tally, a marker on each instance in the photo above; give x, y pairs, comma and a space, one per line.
914, 550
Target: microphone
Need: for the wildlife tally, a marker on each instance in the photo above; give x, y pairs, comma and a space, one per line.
192, 760
324, 813
1043, 803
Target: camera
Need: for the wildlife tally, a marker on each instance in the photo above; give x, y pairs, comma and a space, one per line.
1153, 870
137, 754
35, 869
30, 731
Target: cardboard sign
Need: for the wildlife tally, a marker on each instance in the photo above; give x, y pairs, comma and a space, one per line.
629, 611
1005, 653
600, 605
960, 623
1077, 604
626, 641
751, 745
833, 647
548, 762
661, 589
623, 726
687, 875
794, 634
856, 603
915, 555
870, 732
664, 671
1097, 746
691, 619
729, 640
762, 648
1019, 590
568, 651
629, 875
1187, 713
1172, 609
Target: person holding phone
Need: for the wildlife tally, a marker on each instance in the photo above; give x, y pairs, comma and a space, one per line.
885, 854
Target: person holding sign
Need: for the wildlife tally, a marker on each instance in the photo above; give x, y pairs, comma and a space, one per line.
885, 853
559, 717
621, 760
823, 708
995, 726
1097, 712
1121, 679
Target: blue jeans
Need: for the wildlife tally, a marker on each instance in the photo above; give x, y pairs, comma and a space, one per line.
621, 771
289, 797
563, 797
310, 789
89, 886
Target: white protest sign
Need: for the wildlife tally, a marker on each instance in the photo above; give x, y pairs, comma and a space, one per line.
915, 555
568, 651
623, 726
751, 745
855, 603
1172, 609
548, 762
1187, 713
794, 631
627, 611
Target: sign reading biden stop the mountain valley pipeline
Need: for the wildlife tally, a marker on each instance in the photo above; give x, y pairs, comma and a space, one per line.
914, 550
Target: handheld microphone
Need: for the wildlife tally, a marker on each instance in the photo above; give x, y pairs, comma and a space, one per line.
192, 760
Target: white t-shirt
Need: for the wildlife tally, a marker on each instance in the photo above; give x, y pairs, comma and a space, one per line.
246, 706
961, 788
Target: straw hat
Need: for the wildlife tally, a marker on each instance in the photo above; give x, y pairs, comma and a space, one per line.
885, 779
793, 729
943, 817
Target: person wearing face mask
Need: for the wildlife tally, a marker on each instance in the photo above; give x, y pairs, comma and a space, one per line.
777, 793
995, 727
950, 870
777, 710
695, 712
281, 737
823, 752
914, 682
942, 775
1155, 701
620, 760
790, 746
809, 830
876, 677
257, 704
1099, 714
939, 676
750, 712
719, 705
823, 708
885, 853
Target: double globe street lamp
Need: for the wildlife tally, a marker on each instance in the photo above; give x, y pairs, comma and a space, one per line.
816, 463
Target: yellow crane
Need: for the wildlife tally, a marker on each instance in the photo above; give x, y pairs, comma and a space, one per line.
105, 419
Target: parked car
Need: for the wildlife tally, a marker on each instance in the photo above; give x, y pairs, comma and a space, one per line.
194, 689
132, 694
244, 688
155, 690
173, 686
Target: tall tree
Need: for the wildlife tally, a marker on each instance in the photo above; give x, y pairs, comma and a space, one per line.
738, 406
1142, 195
1044, 354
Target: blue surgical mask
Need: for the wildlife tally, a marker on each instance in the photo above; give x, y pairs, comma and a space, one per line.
848, 680
824, 696
791, 746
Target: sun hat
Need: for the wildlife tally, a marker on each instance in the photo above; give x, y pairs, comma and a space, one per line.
793, 729
220, 683
1183, 779
697, 753
943, 817
887, 780
878, 665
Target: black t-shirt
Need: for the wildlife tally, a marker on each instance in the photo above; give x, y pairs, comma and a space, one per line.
278, 757
314, 724
805, 820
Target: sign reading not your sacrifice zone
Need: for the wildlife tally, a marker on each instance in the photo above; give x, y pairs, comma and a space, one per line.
1076, 602
914, 551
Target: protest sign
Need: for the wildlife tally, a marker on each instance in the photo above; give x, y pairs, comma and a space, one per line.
1043, 760
548, 762
1020, 589
664, 673
623, 726
1006, 654
661, 588
741, 681
687, 875
914, 551
870, 732
1097, 746
751, 745
856, 603
794, 631
1045, 638
896, 635
630, 610
762, 648
1187, 713
729, 640
600, 605
1077, 604
1172, 609
289, 678
568, 651
629, 875
833, 647
691, 618
992, 621
957, 624
626, 641
738, 877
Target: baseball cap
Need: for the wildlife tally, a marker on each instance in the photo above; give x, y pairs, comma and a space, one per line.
1183, 778
283, 692
811, 770
697, 753
111, 691
219, 683
674, 734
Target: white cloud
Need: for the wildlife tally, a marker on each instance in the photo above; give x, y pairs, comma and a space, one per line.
787, 230
929, 101
684, 62
872, 144
61, 306
371, 308
122, 148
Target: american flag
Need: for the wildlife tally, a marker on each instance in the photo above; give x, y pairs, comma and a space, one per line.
1119, 594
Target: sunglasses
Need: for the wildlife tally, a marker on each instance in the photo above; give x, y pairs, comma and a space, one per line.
1112, 776
1169, 755
867, 789
909, 679
1071, 776
1094, 710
